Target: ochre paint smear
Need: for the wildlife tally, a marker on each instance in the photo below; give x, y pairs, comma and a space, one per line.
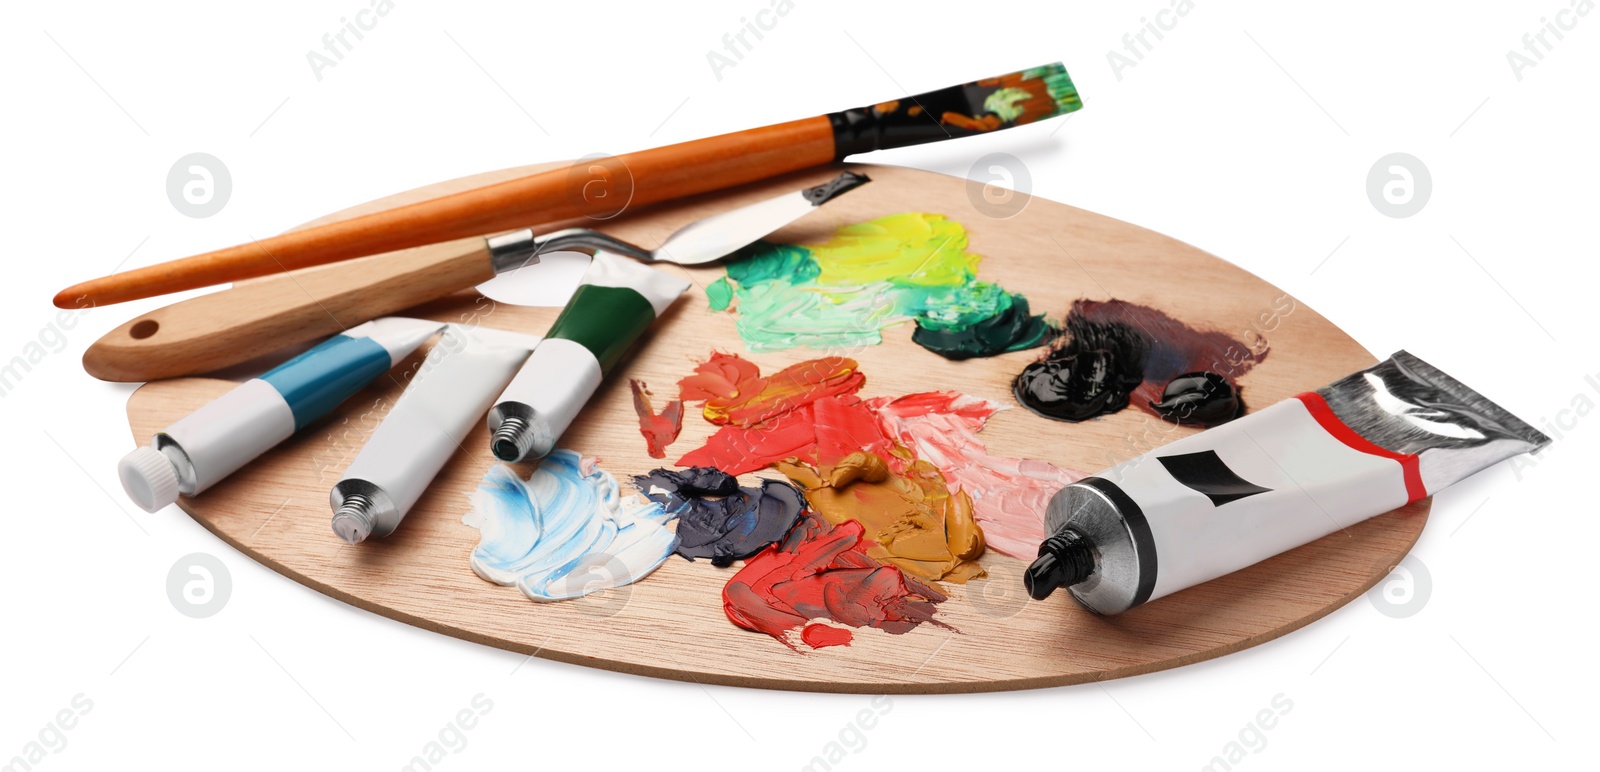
916, 522
1009, 495
659, 429
870, 276
823, 572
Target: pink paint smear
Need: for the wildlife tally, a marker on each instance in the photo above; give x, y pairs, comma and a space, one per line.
1009, 495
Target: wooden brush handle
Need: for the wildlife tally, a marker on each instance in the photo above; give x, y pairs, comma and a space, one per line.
601, 187
236, 325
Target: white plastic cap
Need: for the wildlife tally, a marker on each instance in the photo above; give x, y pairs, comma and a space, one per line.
149, 478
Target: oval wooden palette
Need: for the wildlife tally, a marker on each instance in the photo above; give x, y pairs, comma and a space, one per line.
671, 624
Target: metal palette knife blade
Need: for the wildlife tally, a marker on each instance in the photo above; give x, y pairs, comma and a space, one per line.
554, 271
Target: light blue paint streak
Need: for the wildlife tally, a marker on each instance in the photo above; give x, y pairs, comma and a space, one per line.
564, 532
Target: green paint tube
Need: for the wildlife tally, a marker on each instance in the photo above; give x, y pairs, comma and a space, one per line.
616, 302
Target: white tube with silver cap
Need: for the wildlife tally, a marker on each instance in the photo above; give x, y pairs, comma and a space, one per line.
447, 397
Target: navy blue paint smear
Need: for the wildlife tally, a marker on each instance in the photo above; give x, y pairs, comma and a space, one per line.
719, 520
315, 382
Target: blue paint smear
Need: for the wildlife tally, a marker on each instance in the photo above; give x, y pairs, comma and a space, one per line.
566, 531
315, 382
719, 520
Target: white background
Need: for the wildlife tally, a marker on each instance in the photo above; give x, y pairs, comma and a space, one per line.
1248, 130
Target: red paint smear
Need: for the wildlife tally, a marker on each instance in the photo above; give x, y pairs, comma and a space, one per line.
823, 431
736, 394
848, 425
823, 573
659, 430
818, 635
807, 411
737, 450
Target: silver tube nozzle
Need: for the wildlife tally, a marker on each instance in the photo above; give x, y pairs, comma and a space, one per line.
355, 518
513, 440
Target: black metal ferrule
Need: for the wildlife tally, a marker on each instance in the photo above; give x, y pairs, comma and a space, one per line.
913, 120
838, 186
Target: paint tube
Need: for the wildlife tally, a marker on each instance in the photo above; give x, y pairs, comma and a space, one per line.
213, 442
445, 400
616, 302
1215, 502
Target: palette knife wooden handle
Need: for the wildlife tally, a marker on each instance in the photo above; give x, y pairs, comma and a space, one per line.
236, 325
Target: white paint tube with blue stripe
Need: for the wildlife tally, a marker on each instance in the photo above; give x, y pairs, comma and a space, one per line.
206, 446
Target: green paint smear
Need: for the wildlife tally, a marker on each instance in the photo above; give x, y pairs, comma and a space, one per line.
720, 294
1011, 329
868, 276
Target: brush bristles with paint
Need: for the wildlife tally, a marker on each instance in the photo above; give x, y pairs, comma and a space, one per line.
1014, 99
639, 178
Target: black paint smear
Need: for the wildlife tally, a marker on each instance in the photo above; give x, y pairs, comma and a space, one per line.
1113, 353
1091, 374
719, 520
1205, 399
1207, 473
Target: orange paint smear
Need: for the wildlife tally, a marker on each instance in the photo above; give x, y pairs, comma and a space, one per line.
822, 572
918, 525
986, 123
736, 394
659, 429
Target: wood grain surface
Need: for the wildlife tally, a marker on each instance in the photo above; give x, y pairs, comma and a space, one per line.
671, 624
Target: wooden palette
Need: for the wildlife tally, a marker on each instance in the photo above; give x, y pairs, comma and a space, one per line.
671, 624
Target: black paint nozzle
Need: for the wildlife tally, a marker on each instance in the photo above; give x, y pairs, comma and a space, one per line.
1064, 560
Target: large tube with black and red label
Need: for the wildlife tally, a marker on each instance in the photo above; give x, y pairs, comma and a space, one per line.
1212, 503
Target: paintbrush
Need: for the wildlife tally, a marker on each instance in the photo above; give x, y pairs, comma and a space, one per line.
604, 187
236, 325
